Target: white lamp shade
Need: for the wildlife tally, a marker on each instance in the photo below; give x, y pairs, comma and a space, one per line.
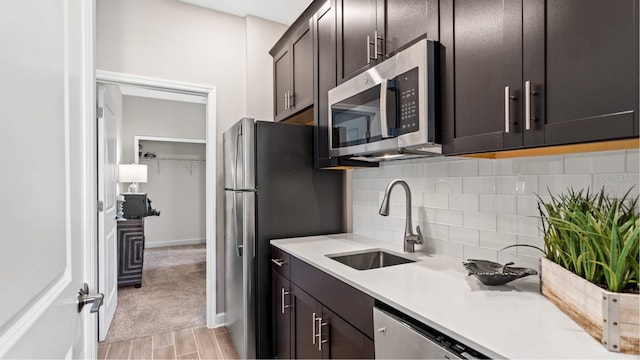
133, 173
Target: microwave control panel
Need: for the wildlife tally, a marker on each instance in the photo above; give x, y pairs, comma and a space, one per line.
408, 94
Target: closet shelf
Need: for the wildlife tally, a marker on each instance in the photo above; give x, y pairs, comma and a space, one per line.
188, 164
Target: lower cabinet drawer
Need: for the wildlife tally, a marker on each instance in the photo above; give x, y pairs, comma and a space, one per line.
349, 303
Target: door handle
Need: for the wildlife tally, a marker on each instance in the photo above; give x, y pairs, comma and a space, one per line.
284, 293
507, 108
278, 262
527, 105
384, 124
319, 334
84, 298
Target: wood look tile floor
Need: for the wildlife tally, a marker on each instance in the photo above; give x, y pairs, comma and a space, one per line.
190, 343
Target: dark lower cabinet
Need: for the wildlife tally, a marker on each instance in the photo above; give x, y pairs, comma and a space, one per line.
281, 300
320, 317
534, 73
130, 251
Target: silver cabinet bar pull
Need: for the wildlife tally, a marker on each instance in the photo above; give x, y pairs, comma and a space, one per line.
319, 335
313, 328
375, 45
527, 105
283, 294
368, 50
506, 109
278, 262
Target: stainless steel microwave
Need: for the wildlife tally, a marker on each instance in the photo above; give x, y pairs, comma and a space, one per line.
387, 111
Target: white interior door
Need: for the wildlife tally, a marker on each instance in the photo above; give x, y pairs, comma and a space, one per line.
108, 114
46, 97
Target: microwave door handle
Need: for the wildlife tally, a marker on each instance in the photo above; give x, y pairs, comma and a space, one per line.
383, 109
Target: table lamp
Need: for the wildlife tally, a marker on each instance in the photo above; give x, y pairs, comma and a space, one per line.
133, 173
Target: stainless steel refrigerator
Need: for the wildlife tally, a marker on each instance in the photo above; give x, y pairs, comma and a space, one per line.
272, 190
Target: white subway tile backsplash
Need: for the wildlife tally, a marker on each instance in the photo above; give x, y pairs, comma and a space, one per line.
517, 185
464, 236
520, 260
499, 204
479, 185
435, 231
515, 224
605, 162
466, 202
435, 169
464, 167
444, 248
448, 185
475, 207
424, 214
478, 253
561, 183
449, 217
633, 161
617, 185
540, 165
504, 167
497, 240
527, 205
479, 221
438, 201
530, 240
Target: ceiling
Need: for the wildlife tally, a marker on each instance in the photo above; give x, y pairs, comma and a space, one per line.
282, 11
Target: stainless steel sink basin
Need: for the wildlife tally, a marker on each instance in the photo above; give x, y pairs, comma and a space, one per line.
370, 259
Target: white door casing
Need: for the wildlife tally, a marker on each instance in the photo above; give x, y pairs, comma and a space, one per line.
108, 115
46, 218
212, 186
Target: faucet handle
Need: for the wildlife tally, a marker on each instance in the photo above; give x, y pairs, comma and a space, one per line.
415, 238
420, 238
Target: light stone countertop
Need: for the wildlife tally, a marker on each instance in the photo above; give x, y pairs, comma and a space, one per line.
511, 321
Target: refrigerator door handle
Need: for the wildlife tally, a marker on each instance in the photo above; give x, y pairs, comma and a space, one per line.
234, 168
239, 247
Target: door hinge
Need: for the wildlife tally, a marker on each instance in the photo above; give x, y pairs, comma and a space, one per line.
100, 112
100, 206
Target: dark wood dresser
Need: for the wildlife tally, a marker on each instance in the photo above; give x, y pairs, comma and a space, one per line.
130, 252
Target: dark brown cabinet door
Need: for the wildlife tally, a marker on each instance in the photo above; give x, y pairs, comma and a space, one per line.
590, 59
305, 312
356, 30
282, 86
302, 67
407, 20
281, 297
340, 340
482, 41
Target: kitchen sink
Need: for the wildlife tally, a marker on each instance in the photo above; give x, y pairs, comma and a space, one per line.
370, 259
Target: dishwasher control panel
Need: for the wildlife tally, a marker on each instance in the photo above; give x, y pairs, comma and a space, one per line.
398, 336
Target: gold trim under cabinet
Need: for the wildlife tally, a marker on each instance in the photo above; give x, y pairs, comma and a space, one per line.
561, 149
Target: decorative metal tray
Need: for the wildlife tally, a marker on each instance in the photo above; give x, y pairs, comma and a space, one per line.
492, 273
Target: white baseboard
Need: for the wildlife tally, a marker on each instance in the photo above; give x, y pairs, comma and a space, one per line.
156, 244
219, 320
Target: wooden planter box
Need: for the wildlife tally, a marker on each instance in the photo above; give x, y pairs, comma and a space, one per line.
611, 318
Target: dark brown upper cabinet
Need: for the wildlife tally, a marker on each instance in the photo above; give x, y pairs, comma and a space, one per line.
293, 73
323, 29
533, 73
369, 31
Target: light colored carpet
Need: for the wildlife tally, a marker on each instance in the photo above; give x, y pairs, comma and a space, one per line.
172, 295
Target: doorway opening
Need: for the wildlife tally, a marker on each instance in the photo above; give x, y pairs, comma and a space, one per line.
176, 164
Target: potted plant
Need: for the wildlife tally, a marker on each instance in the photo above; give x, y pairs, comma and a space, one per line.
591, 268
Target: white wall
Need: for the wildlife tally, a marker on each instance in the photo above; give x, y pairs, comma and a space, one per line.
175, 41
176, 188
471, 208
261, 36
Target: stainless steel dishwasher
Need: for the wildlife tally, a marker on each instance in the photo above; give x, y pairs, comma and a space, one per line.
399, 337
